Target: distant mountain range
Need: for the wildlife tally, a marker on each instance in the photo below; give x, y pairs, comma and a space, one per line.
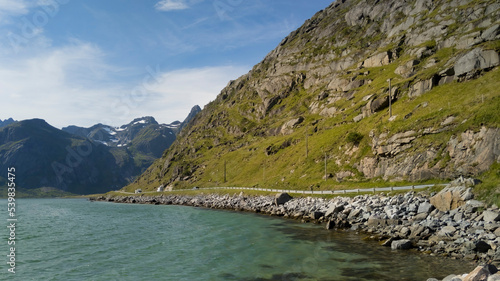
6, 122
82, 160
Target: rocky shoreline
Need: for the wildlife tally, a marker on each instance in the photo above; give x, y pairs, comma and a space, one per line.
449, 224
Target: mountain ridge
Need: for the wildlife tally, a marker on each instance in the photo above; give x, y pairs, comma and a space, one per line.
81, 160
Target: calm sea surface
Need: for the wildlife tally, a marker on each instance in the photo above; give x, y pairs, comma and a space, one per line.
75, 239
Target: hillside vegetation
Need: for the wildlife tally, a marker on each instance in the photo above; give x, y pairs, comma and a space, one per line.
315, 112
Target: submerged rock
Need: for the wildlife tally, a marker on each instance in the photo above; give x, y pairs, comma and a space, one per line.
403, 244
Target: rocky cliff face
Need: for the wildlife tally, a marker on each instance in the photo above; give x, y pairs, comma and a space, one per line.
330, 78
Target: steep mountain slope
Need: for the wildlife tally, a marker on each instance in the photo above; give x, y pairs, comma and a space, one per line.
322, 96
194, 111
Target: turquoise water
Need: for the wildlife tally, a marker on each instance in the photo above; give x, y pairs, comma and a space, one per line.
75, 239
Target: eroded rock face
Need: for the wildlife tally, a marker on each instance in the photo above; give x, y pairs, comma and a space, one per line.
476, 59
378, 60
469, 154
474, 152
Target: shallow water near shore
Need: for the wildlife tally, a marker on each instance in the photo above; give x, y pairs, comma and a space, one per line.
75, 239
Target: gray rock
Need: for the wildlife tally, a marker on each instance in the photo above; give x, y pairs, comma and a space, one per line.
403, 244
482, 247
330, 224
491, 268
480, 273
490, 33
317, 215
420, 217
333, 209
380, 59
425, 207
491, 216
447, 231
494, 277
355, 213
475, 204
282, 198
475, 60
450, 277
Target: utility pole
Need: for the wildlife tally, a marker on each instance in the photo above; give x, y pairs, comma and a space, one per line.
307, 144
325, 168
225, 180
264, 172
390, 98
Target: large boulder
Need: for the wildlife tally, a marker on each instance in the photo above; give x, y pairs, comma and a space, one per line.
491, 216
480, 273
282, 198
425, 207
450, 198
380, 59
447, 231
476, 59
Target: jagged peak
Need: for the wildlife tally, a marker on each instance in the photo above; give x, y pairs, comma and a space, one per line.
144, 120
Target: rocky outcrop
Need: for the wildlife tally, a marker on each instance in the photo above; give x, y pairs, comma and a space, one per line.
378, 60
477, 59
288, 127
470, 153
478, 149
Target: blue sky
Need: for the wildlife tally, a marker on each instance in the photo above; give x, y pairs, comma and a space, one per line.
76, 62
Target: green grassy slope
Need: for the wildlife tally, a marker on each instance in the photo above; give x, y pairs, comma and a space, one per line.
238, 139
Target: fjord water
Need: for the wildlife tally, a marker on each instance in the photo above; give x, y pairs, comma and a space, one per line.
75, 239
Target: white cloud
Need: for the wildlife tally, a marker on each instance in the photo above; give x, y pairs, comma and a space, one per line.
169, 5
64, 85
10, 9
74, 85
176, 92
17, 7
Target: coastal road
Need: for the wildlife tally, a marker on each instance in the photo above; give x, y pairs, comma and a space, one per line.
343, 191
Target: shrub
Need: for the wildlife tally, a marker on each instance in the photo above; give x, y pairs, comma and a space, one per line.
354, 138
